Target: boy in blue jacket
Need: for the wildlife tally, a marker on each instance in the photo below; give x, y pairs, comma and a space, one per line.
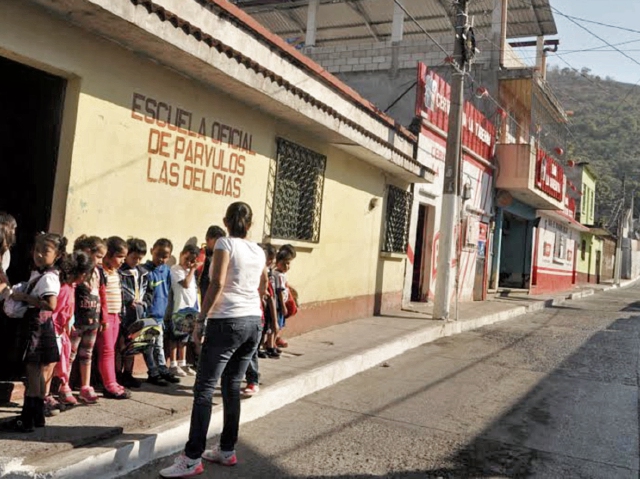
159, 278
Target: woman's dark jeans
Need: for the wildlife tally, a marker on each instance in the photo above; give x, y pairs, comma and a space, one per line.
228, 347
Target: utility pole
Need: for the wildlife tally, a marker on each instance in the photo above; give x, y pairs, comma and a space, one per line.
617, 268
451, 189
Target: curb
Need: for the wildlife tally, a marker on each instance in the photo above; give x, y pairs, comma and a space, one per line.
129, 454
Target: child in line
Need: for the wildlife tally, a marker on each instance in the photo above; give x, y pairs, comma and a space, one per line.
270, 331
41, 296
204, 273
74, 270
159, 287
286, 254
268, 319
87, 316
185, 308
111, 302
135, 303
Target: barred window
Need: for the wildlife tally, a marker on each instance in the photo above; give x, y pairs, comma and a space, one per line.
396, 235
297, 192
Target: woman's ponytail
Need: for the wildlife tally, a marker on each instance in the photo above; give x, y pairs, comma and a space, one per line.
238, 219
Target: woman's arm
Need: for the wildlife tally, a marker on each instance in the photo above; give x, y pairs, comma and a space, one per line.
219, 276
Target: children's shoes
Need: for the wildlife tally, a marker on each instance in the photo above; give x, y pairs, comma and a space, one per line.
66, 397
88, 395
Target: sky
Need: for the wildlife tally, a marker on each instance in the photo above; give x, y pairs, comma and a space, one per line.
602, 60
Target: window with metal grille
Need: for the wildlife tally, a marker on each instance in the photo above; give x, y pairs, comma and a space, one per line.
396, 235
297, 192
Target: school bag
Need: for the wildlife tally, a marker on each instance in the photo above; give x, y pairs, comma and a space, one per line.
181, 323
17, 309
184, 321
141, 334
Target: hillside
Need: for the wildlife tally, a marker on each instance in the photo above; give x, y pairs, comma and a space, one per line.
606, 131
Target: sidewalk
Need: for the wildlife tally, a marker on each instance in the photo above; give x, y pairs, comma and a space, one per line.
114, 437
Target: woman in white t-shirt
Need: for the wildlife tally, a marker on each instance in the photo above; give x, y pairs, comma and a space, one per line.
232, 307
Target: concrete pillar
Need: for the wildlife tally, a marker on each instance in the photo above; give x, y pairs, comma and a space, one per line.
540, 57
312, 13
497, 250
397, 27
499, 32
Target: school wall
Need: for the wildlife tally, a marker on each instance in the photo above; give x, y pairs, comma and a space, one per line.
129, 175
554, 274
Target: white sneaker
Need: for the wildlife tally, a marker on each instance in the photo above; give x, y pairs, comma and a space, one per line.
219, 457
189, 370
177, 371
183, 467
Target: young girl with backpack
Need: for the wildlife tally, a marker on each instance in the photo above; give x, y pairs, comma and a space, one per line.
87, 317
41, 297
74, 270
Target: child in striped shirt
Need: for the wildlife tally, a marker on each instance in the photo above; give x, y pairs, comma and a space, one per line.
111, 302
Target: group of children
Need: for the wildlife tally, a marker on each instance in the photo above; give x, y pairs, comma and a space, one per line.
101, 301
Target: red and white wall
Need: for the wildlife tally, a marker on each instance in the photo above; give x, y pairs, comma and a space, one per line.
554, 263
477, 172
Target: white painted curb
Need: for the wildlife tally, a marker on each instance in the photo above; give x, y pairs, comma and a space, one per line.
130, 454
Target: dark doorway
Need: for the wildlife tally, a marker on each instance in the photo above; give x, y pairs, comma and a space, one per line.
598, 265
515, 256
31, 103
419, 272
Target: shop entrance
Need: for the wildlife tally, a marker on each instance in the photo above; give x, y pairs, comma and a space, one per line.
31, 103
422, 271
515, 256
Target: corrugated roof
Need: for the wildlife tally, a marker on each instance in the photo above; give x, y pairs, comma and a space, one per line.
354, 20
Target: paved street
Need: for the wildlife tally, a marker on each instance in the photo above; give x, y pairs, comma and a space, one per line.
551, 394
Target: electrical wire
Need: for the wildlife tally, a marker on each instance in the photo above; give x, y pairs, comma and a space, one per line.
571, 17
429, 36
624, 99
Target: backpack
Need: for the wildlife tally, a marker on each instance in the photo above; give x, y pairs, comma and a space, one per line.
141, 334
17, 309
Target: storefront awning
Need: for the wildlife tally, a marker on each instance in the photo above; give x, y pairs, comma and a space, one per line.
565, 219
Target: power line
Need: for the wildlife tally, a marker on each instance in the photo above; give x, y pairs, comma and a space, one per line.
597, 36
598, 23
583, 75
414, 20
624, 99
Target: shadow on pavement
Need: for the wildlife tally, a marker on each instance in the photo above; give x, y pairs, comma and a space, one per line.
581, 420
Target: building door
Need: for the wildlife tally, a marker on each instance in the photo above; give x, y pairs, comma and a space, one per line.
516, 252
31, 103
598, 265
419, 290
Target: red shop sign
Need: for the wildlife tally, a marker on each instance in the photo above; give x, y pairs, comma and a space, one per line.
433, 102
549, 176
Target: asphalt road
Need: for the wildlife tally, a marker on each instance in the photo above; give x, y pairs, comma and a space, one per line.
550, 395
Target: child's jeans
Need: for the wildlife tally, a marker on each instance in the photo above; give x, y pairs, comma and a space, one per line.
253, 372
106, 348
154, 356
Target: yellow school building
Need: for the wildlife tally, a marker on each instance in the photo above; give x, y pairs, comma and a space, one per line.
148, 118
